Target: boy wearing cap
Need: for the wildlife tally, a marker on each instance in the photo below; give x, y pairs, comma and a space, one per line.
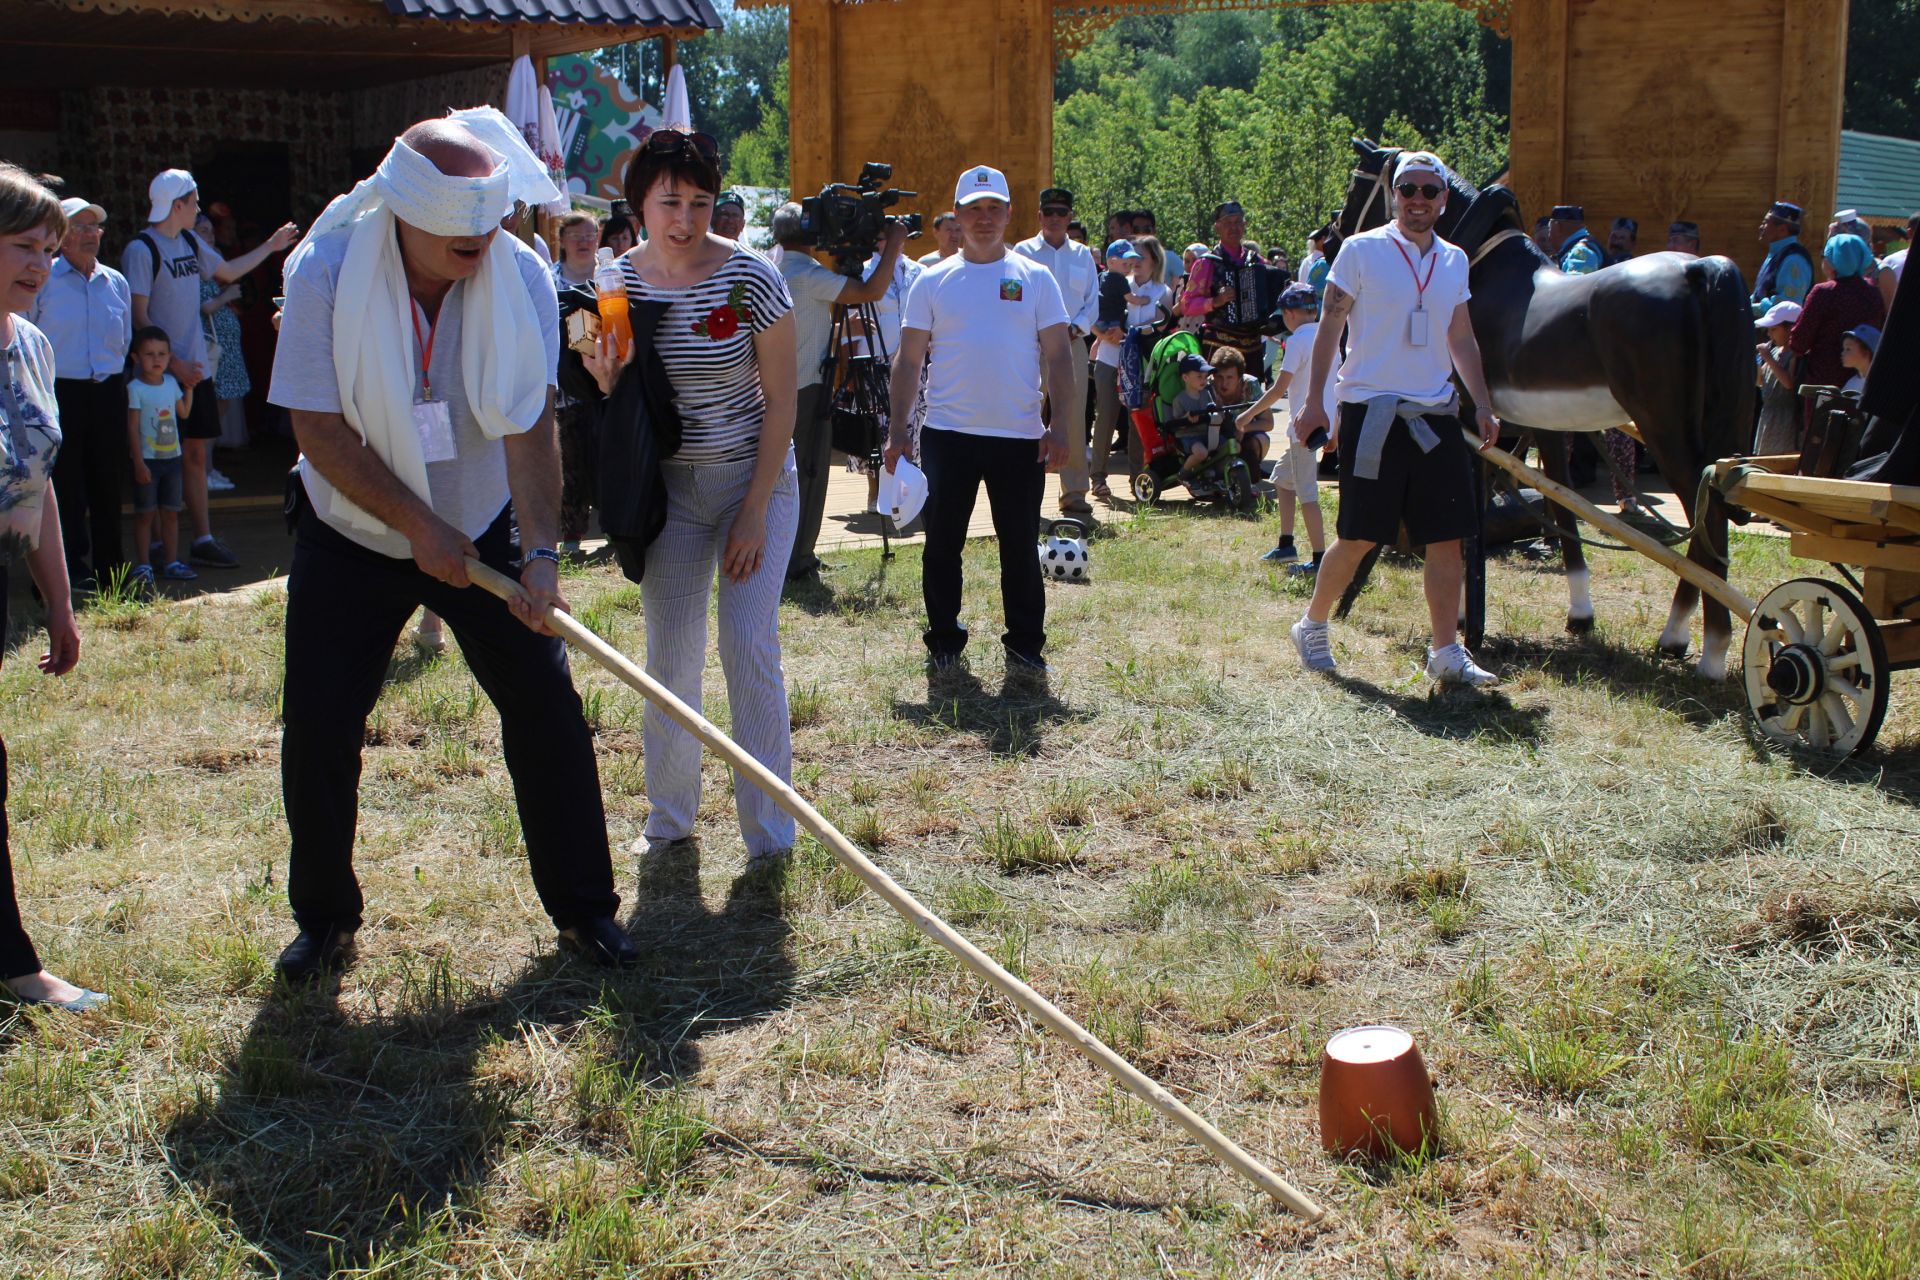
1786, 273
1075, 272
1779, 373
86, 311
1401, 293
1187, 416
988, 325
163, 266
1857, 348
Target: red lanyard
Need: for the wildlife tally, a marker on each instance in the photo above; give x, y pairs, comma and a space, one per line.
426, 346
1419, 285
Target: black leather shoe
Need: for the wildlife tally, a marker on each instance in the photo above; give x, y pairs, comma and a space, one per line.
312, 954
602, 941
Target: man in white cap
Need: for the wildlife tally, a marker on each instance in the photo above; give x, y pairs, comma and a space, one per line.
86, 311
417, 355
992, 324
163, 265
1400, 292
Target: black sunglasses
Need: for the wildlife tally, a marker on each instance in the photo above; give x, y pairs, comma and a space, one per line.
666, 142
1425, 190
1055, 211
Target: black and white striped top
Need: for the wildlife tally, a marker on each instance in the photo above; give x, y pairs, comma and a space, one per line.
706, 342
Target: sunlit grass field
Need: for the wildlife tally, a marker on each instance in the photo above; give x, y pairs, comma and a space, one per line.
1667, 978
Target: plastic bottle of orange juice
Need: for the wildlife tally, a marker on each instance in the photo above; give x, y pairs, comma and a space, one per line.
611, 287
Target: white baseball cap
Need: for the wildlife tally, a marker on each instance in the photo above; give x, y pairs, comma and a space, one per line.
979, 183
76, 204
903, 492
167, 186
1419, 162
1781, 312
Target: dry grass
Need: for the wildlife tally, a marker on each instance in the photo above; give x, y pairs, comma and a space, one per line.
1669, 980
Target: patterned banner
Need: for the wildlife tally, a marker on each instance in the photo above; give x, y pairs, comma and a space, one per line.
601, 122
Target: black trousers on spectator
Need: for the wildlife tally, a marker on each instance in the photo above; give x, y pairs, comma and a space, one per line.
813, 460
956, 463
90, 473
346, 607
17, 957
579, 427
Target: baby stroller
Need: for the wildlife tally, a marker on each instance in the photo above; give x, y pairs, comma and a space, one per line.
1224, 477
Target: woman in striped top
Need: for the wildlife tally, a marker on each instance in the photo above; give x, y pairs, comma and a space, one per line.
732, 497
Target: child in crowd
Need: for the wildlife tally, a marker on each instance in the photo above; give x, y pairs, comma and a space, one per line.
1857, 347
156, 406
1231, 387
1779, 370
1187, 417
1297, 475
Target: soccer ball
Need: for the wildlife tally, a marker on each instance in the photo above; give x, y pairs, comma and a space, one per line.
1064, 558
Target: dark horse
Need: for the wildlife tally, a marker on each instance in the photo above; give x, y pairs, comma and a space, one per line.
1664, 341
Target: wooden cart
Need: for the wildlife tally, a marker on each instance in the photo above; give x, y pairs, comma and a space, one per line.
1819, 654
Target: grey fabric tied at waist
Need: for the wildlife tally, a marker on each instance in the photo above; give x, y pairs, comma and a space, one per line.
1381, 412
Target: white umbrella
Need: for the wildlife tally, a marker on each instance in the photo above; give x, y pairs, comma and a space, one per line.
527, 178
550, 150
677, 114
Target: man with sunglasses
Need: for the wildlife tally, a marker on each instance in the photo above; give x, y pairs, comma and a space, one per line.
1072, 266
1400, 292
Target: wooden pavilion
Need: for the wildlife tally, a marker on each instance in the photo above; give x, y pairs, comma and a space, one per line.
275, 105
1698, 109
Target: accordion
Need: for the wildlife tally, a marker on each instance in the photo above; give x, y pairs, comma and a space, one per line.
1256, 291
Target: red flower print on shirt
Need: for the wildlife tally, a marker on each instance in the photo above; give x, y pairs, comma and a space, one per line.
725, 320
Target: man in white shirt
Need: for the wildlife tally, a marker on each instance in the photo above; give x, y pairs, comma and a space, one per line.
946, 234
86, 311
1078, 277
816, 292
995, 328
1401, 294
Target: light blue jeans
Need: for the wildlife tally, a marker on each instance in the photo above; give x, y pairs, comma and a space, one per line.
681, 568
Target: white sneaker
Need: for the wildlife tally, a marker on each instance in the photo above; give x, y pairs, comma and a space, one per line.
216, 482
1315, 645
1454, 665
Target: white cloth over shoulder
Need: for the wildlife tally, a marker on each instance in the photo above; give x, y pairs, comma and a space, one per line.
375, 350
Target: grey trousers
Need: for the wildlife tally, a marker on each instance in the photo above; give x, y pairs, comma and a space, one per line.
1106, 416
1069, 404
813, 457
681, 567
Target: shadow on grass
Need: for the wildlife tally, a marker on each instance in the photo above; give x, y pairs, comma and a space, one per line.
1014, 723
1668, 683
336, 1139
1457, 714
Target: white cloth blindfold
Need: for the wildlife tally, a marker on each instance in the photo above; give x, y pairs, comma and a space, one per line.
413, 187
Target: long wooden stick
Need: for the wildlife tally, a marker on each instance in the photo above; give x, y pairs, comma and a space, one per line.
1136, 1082
1705, 579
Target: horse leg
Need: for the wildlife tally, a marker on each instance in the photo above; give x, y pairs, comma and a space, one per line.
1553, 461
1709, 550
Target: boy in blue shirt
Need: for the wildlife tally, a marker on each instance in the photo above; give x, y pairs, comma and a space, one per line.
156, 406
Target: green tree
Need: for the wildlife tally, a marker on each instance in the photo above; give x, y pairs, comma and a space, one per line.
1883, 67
759, 157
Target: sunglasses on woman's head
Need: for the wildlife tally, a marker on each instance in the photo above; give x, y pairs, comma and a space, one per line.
667, 142
1425, 190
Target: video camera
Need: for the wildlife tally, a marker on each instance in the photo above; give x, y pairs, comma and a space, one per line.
847, 220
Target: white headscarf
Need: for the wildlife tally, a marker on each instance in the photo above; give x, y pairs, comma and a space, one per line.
375, 352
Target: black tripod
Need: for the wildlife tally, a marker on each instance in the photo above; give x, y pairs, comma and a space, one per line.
858, 395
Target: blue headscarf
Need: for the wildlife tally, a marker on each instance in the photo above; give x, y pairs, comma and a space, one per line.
1849, 255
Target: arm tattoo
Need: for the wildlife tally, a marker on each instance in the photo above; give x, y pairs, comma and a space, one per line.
1338, 302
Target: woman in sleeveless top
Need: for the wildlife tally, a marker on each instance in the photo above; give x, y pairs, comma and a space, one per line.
727, 341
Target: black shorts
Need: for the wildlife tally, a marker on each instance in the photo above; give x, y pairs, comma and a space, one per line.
1432, 493
204, 422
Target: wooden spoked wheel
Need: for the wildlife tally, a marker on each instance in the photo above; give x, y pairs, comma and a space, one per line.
1816, 668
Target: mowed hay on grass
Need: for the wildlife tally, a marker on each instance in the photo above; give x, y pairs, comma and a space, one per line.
1668, 979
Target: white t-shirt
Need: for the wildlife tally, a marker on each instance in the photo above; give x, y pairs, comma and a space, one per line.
887, 309
1295, 360
1156, 294
985, 320
815, 289
1895, 262
1381, 358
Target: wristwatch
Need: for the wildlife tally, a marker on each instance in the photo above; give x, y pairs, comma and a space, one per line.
541, 553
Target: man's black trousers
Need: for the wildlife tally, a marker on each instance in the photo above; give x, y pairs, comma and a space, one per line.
956, 463
346, 608
90, 474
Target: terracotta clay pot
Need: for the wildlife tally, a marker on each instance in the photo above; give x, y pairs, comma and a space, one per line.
1375, 1095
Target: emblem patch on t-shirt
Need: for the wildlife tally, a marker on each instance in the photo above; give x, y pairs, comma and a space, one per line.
1010, 290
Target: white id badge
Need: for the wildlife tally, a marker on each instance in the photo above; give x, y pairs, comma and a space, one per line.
1417, 328
434, 422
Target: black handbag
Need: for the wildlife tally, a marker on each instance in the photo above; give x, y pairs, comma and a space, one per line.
639, 429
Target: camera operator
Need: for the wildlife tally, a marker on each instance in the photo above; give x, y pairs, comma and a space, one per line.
815, 290
1074, 270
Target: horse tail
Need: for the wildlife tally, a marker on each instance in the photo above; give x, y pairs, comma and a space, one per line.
1725, 320
1359, 583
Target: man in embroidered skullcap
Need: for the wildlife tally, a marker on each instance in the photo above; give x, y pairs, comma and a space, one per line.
1786, 273
1683, 237
417, 355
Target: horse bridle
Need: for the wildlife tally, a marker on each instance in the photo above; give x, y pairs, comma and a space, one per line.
1378, 193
